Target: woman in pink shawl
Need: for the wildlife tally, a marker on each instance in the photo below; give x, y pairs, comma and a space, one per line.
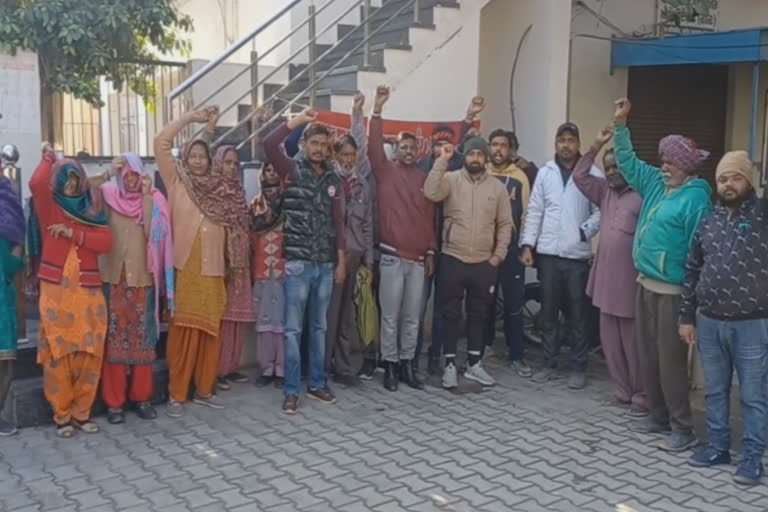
137, 270
239, 312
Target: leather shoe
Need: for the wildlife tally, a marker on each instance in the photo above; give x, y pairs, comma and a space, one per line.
408, 375
390, 376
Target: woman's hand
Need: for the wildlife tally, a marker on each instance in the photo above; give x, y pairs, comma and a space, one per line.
60, 230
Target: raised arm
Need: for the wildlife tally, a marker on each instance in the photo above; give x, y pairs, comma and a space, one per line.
376, 154
166, 163
437, 187
357, 131
283, 165
593, 187
641, 176
475, 108
40, 186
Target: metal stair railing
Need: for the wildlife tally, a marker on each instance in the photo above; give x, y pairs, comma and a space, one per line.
256, 58
313, 83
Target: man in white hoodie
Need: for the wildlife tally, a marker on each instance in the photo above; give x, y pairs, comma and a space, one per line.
559, 224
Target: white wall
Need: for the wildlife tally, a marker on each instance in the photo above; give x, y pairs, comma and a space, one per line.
540, 83
20, 106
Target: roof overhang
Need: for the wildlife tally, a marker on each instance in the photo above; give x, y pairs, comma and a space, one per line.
703, 48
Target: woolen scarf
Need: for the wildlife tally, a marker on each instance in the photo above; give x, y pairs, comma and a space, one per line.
231, 191
86, 206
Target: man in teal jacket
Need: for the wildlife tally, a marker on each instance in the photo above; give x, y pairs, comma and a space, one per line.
674, 201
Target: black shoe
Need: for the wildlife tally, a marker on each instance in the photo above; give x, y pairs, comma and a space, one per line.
351, 381
145, 411
115, 416
433, 366
408, 375
7, 429
264, 380
369, 368
390, 376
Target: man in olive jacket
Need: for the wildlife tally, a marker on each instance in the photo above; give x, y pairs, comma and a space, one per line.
476, 234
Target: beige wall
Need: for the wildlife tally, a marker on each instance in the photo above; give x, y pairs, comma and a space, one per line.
541, 78
593, 87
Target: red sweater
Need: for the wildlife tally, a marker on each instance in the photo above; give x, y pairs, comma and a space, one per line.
89, 240
406, 217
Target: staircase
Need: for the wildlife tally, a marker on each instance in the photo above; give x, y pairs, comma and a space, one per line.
366, 45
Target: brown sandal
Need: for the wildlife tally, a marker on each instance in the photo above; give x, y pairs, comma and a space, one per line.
65, 431
87, 426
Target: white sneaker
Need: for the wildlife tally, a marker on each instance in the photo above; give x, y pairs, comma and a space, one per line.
450, 377
478, 374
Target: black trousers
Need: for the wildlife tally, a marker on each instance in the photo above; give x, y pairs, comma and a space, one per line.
563, 286
478, 282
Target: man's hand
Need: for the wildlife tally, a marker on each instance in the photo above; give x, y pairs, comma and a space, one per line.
526, 257
146, 185
58, 230
602, 138
687, 333
213, 118
358, 103
429, 265
446, 152
495, 261
623, 107
476, 106
306, 116
17, 251
382, 96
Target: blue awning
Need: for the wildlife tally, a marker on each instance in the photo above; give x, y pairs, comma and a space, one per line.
704, 48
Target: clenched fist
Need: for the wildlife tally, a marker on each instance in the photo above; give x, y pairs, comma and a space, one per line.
623, 107
446, 152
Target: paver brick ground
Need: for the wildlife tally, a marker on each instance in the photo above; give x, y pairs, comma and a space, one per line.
516, 447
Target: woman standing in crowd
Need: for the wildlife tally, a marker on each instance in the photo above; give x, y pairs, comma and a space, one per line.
12, 227
203, 210
73, 313
239, 312
268, 273
134, 272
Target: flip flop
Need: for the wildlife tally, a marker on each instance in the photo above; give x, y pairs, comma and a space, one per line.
65, 431
88, 427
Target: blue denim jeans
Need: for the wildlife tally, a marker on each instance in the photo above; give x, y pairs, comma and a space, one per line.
724, 345
307, 284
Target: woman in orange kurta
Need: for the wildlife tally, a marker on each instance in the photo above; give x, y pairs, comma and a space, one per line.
73, 313
203, 217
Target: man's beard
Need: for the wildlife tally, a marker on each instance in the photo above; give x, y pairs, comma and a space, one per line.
475, 169
735, 201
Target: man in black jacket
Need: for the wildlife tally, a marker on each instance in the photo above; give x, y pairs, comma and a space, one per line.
725, 307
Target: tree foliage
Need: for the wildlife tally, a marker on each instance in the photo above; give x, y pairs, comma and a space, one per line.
79, 41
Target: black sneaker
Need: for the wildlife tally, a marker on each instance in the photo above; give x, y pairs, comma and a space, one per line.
749, 472
369, 368
291, 404
115, 416
145, 411
324, 395
264, 380
237, 378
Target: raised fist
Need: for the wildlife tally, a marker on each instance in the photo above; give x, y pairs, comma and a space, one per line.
476, 106
603, 136
623, 106
446, 152
199, 116
382, 95
358, 103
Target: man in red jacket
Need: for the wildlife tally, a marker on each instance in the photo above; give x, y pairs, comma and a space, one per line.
407, 244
